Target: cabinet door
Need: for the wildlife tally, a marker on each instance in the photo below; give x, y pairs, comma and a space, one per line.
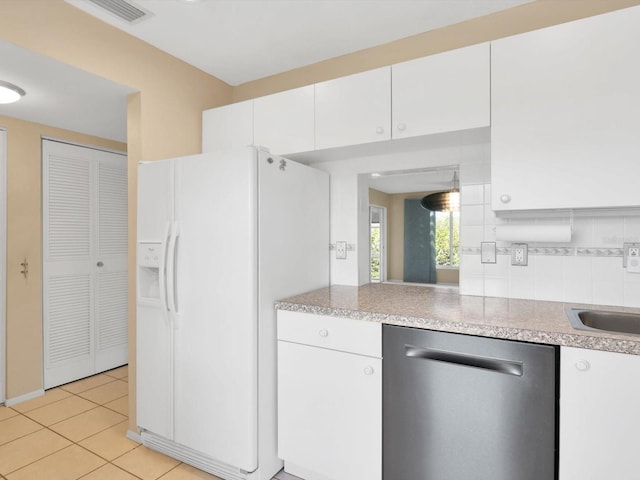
564, 106
354, 109
227, 127
599, 418
284, 122
442, 93
329, 413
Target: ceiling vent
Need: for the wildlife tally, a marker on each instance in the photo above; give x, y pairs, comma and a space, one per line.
124, 10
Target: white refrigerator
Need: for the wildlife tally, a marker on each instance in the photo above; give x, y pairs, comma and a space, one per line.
221, 236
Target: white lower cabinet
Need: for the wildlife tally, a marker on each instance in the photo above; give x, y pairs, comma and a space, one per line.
599, 415
329, 397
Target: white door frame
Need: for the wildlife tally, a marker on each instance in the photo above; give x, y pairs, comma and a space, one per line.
383, 241
3, 263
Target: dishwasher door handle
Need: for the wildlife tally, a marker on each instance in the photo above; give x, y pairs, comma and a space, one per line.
508, 367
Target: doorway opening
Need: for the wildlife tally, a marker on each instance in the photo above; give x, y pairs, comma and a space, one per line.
3, 264
377, 244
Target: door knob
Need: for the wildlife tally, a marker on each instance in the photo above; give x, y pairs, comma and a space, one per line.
100, 264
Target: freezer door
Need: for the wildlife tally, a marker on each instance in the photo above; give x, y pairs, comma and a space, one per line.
214, 294
154, 331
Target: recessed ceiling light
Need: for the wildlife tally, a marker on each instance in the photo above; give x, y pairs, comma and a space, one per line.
10, 93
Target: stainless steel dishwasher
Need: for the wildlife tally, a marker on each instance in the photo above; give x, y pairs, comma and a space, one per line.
459, 407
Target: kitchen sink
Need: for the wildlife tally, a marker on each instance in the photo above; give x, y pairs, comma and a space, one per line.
604, 321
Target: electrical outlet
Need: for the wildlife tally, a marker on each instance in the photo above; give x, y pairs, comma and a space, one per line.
632, 257
519, 254
341, 250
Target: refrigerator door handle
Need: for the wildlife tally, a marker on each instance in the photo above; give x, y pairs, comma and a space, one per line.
174, 270
508, 367
171, 270
163, 273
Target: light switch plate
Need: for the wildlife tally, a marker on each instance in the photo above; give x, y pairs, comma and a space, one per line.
487, 252
341, 250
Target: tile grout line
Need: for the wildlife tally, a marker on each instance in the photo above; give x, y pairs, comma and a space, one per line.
77, 443
72, 442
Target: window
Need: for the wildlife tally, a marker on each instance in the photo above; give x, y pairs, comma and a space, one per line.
375, 252
448, 239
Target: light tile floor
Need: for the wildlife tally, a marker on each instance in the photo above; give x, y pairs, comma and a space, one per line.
78, 431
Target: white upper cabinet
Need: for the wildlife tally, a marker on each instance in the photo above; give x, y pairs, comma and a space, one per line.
442, 93
353, 110
226, 127
284, 122
565, 125
599, 417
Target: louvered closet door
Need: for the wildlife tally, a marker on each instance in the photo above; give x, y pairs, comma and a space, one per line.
111, 247
84, 262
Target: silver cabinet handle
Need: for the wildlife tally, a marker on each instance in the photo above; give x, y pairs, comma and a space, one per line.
100, 264
494, 364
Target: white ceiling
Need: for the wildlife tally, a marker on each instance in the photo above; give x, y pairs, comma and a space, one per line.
243, 40
63, 96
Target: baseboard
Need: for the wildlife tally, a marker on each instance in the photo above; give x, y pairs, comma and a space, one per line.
135, 436
10, 402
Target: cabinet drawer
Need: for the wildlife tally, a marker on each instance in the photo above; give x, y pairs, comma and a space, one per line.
344, 334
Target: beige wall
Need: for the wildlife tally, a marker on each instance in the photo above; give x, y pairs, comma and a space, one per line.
24, 240
164, 120
531, 16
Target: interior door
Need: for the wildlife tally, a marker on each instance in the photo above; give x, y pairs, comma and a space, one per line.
111, 252
84, 261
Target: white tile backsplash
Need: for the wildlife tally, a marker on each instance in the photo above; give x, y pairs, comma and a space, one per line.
596, 277
471, 235
522, 279
632, 295
496, 286
632, 229
608, 232
474, 173
472, 195
577, 279
548, 278
472, 215
582, 232
472, 285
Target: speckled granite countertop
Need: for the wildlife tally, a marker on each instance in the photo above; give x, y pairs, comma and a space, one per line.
439, 308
